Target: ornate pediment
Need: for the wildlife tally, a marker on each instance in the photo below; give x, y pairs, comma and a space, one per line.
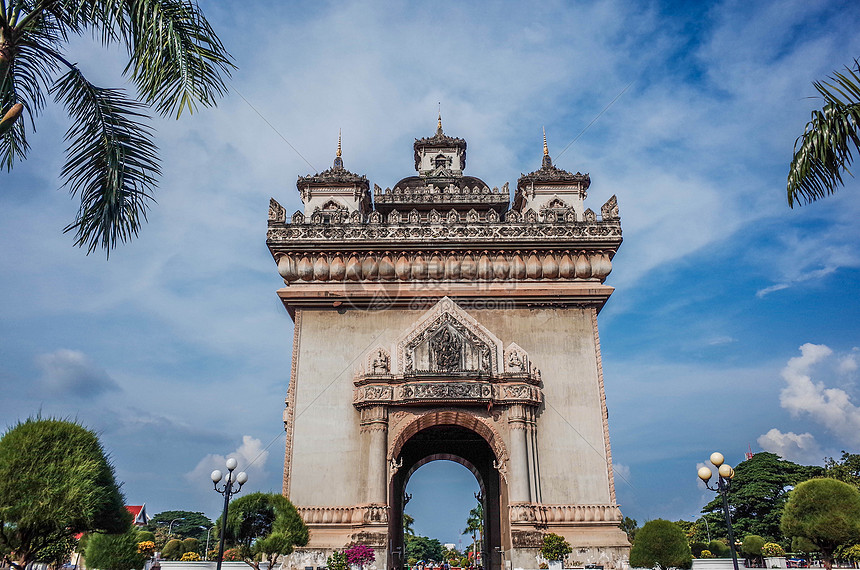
447, 356
446, 339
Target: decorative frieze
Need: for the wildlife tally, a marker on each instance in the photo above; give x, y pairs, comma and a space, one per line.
533, 513
469, 265
469, 392
353, 515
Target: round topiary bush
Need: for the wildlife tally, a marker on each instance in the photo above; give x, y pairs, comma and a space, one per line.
172, 550
772, 549
660, 543
190, 557
554, 547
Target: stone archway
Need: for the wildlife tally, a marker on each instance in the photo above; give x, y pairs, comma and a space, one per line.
442, 436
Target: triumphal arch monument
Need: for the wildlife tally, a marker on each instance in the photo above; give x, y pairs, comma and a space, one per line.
438, 319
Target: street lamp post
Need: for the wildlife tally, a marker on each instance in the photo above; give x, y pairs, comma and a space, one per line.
170, 526
227, 490
206, 552
724, 483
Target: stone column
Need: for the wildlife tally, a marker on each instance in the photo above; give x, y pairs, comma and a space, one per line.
518, 473
374, 421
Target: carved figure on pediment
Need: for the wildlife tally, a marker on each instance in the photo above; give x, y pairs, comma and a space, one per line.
447, 352
550, 217
381, 363
589, 215
298, 217
394, 217
472, 216
414, 216
492, 216
409, 365
515, 363
355, 217
570, 216
375, 217
453, 217
435, 217
513, 216
485, 359
531, 216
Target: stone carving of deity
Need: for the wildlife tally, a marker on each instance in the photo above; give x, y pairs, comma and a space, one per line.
380, 363
446, 351
515, 363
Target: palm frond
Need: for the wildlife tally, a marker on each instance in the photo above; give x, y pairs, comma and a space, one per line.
176, 60
111, 164
825, 149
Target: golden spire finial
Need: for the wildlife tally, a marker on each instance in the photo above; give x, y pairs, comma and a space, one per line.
545, 148
439, 123
338, 142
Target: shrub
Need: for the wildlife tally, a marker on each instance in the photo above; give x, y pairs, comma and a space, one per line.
554, 547
697, 547
752, 545
660, 543
337, 561
232, 555
146, 547
706, 554
190, 545
719, 549
360, 554
190, 557
771, 549
145, 536
172, 550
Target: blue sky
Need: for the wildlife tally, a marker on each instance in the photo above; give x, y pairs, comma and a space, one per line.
734, 322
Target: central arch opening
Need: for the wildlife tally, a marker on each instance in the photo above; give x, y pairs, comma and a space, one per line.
466, 447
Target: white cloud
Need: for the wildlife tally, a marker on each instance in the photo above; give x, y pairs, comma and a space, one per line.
70, 373
250, 455
800, 448
848, 363
830, 407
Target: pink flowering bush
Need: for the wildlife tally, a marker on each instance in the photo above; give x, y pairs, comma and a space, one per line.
359, 554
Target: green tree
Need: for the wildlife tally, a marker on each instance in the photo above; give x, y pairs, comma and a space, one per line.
114, 551
175, 61
475, 527
423, 548
801, 544
408, 523
55, 482
554, 547
143, 535
186, 524
826, 512
58, 551
264, 526
759, 491
823, 152
845, 469
662, 544
629, 526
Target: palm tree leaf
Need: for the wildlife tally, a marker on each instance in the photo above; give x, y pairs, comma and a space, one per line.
176, 60
825, 149
111, 164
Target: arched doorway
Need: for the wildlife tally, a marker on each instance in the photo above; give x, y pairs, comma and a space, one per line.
452, 442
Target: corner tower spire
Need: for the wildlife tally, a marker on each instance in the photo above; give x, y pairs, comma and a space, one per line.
547, 161
439, 122
338, 161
